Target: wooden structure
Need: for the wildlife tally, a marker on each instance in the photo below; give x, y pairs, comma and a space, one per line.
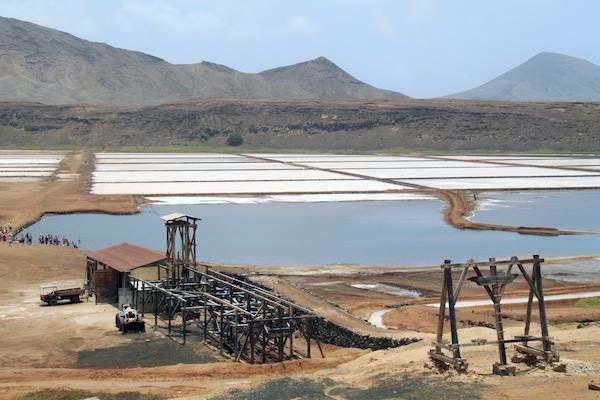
499, 275
241, 319
108, 269
181, 242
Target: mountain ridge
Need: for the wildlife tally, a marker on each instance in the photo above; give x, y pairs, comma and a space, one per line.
40, 64
545, 77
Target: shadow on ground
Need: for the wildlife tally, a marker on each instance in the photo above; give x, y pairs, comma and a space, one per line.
408, 387
141, 353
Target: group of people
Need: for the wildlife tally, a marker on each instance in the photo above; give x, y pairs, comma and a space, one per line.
6, 232
56, 241
24, 239
8, 235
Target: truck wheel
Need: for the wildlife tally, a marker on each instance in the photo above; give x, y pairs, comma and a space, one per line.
53, 302
75, 299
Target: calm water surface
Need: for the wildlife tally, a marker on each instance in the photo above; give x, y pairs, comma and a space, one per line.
573, 209
373, 232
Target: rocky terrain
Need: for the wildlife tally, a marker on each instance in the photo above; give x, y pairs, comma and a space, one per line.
350, 125
544, 77
53, 67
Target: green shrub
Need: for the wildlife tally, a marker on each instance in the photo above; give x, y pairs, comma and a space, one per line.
235, 139
592, 302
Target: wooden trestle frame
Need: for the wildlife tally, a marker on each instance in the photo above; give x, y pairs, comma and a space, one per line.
494, 284
240, 319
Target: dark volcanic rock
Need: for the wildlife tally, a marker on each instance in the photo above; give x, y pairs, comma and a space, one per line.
315, 125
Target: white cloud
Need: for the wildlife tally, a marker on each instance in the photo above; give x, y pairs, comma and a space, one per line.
164, 16
301, 24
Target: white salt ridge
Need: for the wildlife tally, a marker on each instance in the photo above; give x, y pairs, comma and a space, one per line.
465, 172
28, 160
24, 169
387, 289
396, 164
27, 166
165, 160
595, 168
297, 198
509, 183
561, 162
18, 180
503, 157
376, 318
194, 166
341, 158
521, 300
494, 204
214, 176
255, 187
25, 173
164, 155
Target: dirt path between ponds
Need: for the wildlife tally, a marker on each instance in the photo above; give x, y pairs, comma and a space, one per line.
23, 203
460, 206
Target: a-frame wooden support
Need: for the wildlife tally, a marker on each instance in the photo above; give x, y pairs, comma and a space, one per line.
498, 276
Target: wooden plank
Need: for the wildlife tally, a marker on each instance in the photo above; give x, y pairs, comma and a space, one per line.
487, 263
530, 350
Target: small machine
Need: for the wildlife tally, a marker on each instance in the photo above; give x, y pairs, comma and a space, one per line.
128, 319
51, 294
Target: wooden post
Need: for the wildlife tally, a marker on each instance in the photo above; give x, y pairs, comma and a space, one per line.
221, 330
143, 297
235, 333
442, 312
452, 312
170, 315
291, 313
529, 310
252, 341
542, 307
155, 298
497, 298
205, 318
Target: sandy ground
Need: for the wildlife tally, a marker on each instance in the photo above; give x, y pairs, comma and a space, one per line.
43, 345
76, 346
49, 347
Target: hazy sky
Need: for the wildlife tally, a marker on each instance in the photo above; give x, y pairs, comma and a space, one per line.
423, 48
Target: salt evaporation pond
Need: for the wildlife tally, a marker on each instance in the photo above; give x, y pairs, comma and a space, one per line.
569, 209
365, 232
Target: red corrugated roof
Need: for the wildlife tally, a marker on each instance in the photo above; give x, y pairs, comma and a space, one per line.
124, 257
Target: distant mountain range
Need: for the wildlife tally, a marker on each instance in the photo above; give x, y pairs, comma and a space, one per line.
546, 77
39, 64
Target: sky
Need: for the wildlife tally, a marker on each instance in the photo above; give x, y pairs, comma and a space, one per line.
422, 48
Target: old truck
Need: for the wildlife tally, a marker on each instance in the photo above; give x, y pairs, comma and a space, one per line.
129, 319
52, 294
